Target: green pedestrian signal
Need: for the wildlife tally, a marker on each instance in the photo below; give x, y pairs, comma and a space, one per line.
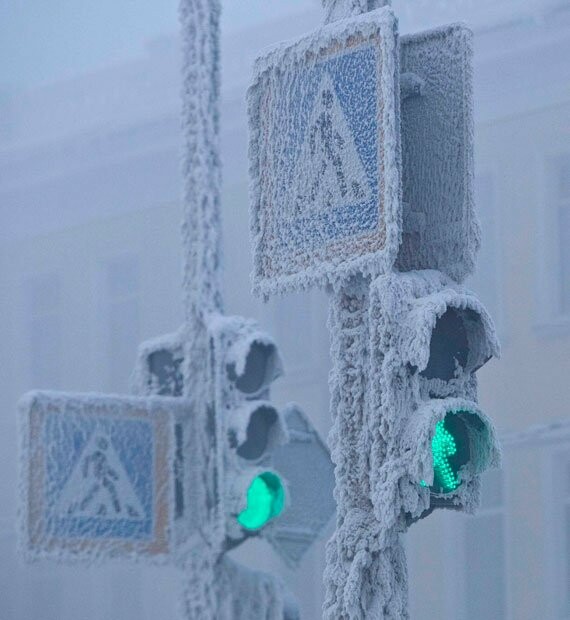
450, 451
443, 447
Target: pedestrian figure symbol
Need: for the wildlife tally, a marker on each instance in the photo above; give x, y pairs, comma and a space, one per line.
99, 485
329, 169
96, 468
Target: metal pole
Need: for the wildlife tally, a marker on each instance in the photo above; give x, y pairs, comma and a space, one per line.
201, 236
201, 225
366, 573
213, 585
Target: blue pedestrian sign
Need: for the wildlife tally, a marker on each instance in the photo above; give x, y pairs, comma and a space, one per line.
98, 475
325, 155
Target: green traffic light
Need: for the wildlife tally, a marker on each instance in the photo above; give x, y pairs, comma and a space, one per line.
450, 451
265, 501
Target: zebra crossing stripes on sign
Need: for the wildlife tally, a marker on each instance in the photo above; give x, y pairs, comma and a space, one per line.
98, 475
324, 155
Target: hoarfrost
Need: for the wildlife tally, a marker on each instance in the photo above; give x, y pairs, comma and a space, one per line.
340, 9
244, 594
324, 155
90, 486
201, 235
384, 409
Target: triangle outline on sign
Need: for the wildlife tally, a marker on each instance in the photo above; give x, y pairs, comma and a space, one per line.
336, 176
99, 486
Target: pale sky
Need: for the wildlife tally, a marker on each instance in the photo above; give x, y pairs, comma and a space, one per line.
47, 40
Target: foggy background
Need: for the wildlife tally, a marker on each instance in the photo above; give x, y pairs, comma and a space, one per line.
90, 265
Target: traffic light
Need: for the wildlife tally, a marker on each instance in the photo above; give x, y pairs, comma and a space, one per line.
245, 361
429, 336
275, 470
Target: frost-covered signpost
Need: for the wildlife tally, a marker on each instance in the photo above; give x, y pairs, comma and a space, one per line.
200, 460
361, 156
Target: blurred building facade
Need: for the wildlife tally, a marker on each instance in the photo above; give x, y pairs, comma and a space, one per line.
90, 265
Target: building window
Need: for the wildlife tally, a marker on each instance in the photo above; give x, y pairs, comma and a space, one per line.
485, 547
44, 304
559, 538
553, 222
486, 279
561, 197
476, 556
566, 548
122, 284
556, 514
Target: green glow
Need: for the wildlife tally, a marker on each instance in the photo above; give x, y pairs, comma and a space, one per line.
450, 450
265, 500
443, 446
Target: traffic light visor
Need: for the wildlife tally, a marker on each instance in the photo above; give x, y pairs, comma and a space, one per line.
253, 363
255, 429
265, 501
447, 334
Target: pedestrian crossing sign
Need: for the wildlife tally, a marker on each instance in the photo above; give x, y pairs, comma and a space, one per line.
97, 475
324, 155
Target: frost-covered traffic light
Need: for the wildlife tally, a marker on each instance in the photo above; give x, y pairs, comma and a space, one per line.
429, 336
274, 474
244, 362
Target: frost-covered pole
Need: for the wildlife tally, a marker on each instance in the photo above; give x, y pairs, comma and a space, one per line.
201, 227
366, 575
215, 588
201, 233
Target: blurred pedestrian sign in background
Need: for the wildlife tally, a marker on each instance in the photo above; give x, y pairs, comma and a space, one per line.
325, 155
98, 475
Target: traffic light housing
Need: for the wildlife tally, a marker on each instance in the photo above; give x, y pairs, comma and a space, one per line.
276, 457
432, 441
244, 362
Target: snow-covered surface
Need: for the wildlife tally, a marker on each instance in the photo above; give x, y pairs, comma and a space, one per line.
245, 594
300, 184
379, 333
523, 63
440, 228
226, 335
304, 233
305, 463
201, 236
349, 552
341, 9
167, 382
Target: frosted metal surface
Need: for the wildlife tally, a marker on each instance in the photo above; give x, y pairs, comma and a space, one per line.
324, 155
440, 229
306, 465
